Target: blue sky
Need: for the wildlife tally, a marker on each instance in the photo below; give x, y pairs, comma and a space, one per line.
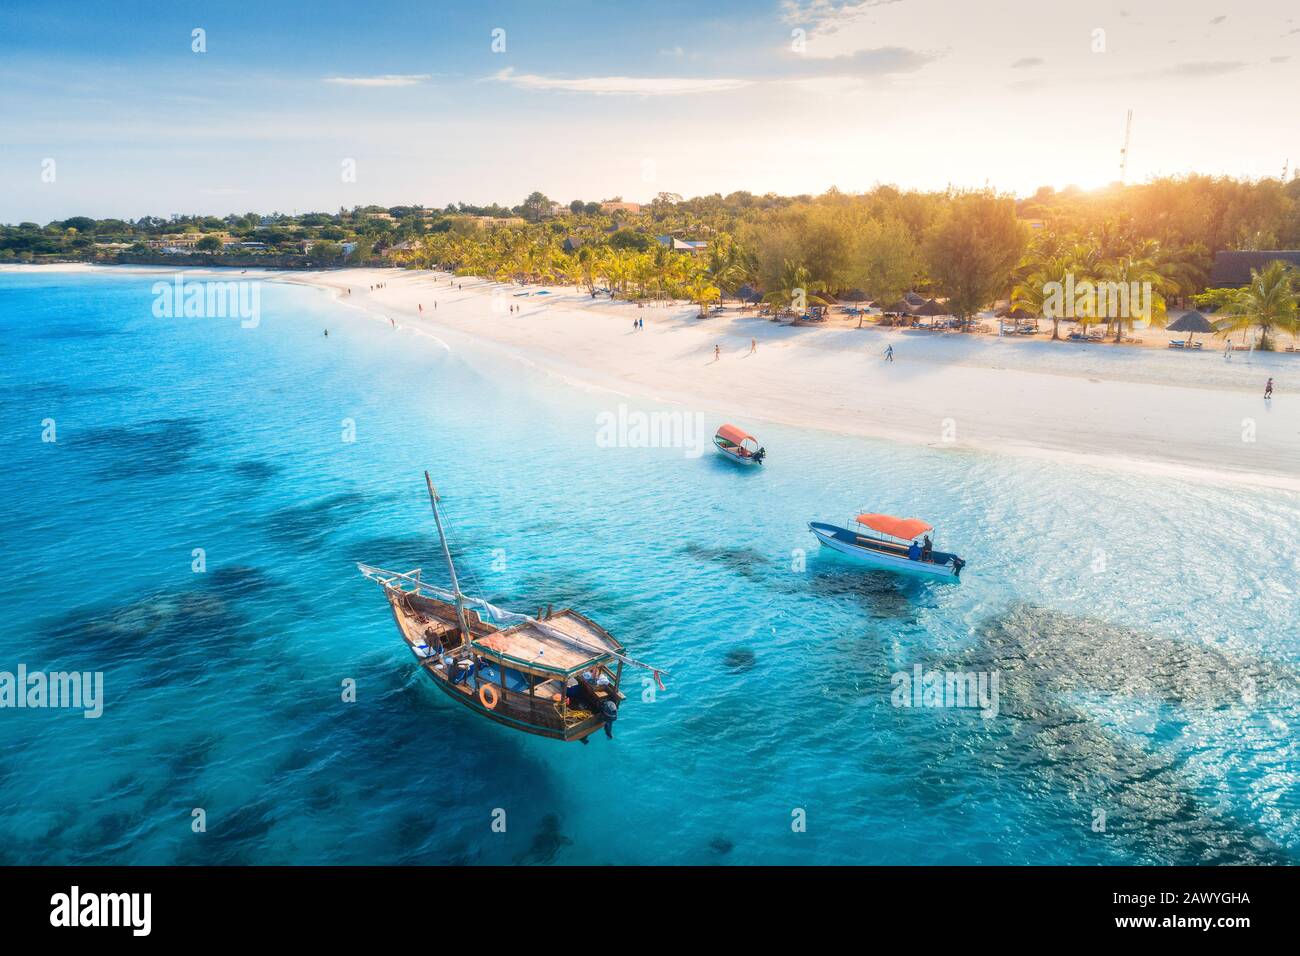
591, 100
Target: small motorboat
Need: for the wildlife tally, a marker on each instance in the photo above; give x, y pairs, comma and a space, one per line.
739, 445
891, 544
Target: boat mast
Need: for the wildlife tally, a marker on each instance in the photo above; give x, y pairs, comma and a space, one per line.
446, 553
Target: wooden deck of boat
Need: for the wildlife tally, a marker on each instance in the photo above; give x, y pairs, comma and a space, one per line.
532, 644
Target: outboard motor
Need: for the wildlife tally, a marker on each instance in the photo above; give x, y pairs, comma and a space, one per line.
610, 710
957, 564
758, 455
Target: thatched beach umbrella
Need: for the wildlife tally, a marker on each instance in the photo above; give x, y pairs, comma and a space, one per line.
1018, 313
1191, 323
901, 307
931, 307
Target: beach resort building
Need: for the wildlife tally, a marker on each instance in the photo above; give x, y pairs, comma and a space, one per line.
693, 246
1232, 269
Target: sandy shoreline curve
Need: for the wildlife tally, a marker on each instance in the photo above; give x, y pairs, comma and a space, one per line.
1140, 411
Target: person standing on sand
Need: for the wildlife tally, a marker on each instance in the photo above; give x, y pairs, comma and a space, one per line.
889, 353
753, 346
717, 353
1268, 389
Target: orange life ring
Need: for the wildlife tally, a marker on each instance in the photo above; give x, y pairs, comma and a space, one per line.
488, 696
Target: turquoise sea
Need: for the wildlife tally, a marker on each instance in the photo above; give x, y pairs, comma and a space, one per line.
1144, 630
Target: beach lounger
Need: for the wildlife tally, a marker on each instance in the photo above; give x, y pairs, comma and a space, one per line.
1177, 345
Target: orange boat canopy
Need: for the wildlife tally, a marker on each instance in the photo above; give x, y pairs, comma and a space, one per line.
905, 528
734, 435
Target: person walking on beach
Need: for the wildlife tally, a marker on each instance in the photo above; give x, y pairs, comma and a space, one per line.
889, 353
753, 346
717, 353
1268, 389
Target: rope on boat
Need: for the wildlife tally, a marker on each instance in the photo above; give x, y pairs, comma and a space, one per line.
385, 577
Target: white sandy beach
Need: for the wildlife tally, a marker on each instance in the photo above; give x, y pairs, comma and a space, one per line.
1139, 410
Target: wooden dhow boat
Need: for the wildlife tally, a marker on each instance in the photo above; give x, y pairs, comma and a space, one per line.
891, 544
556, 674
738, 445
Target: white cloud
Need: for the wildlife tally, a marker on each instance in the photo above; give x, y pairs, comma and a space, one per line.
622, 85
388, 79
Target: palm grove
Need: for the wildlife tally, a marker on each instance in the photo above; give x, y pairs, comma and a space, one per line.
970, 248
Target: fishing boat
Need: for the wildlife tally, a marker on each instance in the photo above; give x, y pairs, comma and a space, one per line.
555, 674
739, 445
892, 544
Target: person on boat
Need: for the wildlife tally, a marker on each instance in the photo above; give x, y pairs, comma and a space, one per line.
609, 710
914, 552
927, 546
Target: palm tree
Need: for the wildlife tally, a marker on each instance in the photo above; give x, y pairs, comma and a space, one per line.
1186, 268
1269, 302
795, 282
587, 263
701, 292
1127, 271
617, 269
1032, 292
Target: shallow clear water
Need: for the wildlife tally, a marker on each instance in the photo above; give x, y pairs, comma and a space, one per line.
1143, 630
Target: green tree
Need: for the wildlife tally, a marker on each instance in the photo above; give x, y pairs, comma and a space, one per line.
1032, 292
796, 289
885, 260
1129, 271
971, 251
703, 293
1268, 303
536, 206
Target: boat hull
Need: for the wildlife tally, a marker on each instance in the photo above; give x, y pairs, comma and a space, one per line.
747, 461
533, 715
842, 541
